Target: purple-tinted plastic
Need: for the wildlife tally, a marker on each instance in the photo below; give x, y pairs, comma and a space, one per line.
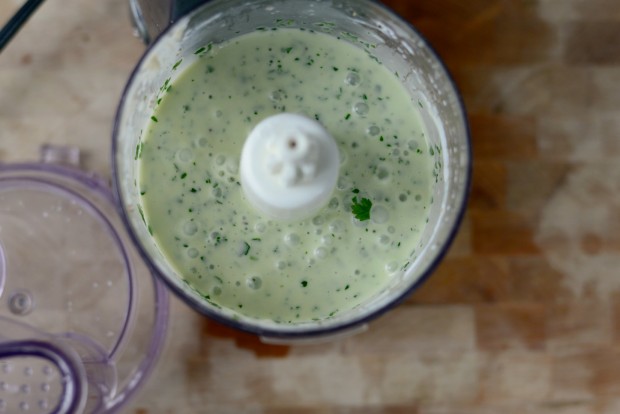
66, 365
312, 332
19, 182
97, 186
2, 269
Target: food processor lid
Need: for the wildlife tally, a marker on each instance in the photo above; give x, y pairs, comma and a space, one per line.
68, 292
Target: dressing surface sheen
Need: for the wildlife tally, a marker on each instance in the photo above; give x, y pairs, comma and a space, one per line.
194, 205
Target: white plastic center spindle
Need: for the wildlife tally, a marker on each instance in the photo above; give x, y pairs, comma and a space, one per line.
289, 166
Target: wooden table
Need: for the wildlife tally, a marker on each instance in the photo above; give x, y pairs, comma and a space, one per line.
524, 314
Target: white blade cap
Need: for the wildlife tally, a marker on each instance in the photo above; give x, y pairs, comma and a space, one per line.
289, 166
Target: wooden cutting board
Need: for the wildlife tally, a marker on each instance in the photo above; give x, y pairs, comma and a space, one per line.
522, 317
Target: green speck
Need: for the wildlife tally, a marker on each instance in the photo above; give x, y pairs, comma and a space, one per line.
141, 213
176, 65
335, 69
288, 50
154, 118
304, 283
138, 150
183, 176
193, 190
347, 287
347, 116
361, 209
246, 248
356, 191
199, 51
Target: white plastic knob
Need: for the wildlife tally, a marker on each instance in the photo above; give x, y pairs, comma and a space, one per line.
289, 166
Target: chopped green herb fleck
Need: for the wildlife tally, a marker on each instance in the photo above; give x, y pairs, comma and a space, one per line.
183, 176
138, 151
141, 213
199, 51
304, 283
361, 209
176, 65
356, 191
246, 248
154, 118
347, 116
193, 190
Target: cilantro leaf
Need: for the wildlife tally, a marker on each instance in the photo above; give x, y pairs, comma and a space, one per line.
361, 209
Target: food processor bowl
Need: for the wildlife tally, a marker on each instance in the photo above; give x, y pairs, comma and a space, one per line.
366, 24
72, 288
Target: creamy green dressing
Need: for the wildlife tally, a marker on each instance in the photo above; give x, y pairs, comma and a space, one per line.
194, 205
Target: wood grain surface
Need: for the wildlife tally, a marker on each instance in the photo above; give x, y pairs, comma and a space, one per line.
522, 317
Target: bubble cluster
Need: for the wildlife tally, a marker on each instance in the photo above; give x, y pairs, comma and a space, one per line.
254, 282
327, 240
333, 203
276, 96
373, 130
291, 239
382, 173
352, 79
185, 155
336, 226
320, 253
383, 240
391, 267
190, 228
192, 253
361, 108
379, 214
201, 142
